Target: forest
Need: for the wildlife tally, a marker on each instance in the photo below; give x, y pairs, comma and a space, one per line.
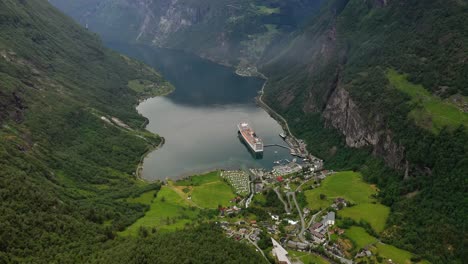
67, 170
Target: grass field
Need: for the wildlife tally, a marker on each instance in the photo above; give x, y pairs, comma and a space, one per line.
433, 113
350, 186
149, 89
265, 10
359, 236
361, 239
208, 190
306, 257
395, 254
375, 214
168, 212
212, 194
197, 180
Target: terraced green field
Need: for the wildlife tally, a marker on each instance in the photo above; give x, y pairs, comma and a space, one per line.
359, 236
350, 186
431, 112
375, 214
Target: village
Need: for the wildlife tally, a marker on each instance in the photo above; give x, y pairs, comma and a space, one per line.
295, 228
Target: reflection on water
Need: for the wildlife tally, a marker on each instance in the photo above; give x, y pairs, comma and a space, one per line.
199, 120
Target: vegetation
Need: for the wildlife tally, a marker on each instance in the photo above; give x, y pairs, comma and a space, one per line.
307, 258
429, 111
148, 88
360, 237
167, 212
354, 44
350, 186
187, 246
208, 190
67, 181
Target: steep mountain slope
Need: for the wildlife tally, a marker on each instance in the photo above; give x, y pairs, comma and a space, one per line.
70, 140
340, 73
226, 31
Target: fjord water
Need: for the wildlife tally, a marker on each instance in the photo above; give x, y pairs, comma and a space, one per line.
199, 119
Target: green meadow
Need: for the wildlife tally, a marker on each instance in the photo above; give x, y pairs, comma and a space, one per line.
265, 10
350, 186
172, 209
168, 212
306, 257
362, 239
359, 236
431, 112
208, 190
148, 88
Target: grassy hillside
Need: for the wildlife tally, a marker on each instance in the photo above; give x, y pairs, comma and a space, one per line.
70, 140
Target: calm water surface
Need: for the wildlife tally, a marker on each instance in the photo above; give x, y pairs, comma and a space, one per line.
199, 120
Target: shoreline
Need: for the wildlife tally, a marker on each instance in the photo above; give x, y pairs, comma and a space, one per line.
151, 148
259, 99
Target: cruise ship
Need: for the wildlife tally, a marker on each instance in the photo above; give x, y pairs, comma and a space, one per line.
249, 136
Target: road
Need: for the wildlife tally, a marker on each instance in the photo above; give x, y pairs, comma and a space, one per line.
271, 111
286, 208
252, 191
303, 225
259, 249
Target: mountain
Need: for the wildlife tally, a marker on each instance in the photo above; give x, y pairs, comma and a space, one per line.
227, 31
378, 86
71, 140
390, 77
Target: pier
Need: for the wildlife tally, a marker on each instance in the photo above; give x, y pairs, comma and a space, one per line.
277, 145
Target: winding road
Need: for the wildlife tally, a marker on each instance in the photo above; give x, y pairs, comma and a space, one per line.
280, 197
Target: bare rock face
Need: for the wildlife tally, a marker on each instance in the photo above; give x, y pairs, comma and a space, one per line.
342, 113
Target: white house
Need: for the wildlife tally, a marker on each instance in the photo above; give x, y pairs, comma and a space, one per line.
329, 219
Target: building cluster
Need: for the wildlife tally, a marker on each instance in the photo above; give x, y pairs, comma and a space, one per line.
319, 230
239, 180
290, 168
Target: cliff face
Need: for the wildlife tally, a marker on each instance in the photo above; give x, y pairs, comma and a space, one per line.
343, 114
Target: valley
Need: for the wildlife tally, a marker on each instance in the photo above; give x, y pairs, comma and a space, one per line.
126, 149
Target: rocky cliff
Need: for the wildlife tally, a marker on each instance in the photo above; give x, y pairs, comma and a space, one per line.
343, 114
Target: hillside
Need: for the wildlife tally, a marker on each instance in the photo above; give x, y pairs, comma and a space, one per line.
71, 140
392, 81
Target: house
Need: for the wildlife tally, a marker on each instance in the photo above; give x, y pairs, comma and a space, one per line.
292, 222
341, 201
329, 219
280, 253
279, 179
316, 226
318, 237
297, 245
275, 217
